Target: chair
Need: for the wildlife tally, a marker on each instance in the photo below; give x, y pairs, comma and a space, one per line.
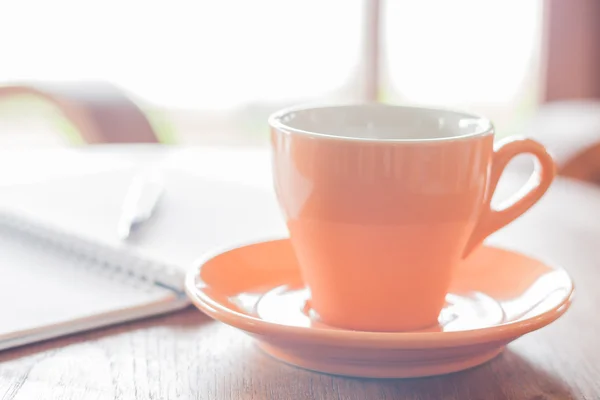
101, 112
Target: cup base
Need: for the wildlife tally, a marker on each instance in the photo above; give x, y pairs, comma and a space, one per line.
310, 312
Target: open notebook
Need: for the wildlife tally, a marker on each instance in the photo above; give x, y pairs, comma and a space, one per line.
64, 270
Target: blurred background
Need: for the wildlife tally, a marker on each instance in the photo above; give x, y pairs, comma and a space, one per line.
210, 72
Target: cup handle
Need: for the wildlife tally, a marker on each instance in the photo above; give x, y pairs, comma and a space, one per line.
545, 170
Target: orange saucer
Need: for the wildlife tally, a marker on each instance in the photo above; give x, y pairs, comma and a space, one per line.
496, 296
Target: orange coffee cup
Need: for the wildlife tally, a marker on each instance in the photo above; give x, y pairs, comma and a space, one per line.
383, 202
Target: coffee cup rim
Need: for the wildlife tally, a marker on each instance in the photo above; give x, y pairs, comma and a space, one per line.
275, 122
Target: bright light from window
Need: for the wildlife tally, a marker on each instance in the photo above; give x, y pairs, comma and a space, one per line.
461, 51
188, 54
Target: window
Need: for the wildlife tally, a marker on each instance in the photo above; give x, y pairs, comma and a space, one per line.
212, 71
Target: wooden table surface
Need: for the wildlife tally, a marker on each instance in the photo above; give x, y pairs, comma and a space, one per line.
186, 355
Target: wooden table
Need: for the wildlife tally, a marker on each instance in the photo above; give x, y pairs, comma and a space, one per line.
186, 355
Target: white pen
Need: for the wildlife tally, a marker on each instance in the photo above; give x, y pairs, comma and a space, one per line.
140, 201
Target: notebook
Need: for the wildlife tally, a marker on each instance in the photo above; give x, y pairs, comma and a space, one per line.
64, 269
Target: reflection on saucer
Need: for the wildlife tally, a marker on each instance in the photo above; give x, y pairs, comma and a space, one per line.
291, 306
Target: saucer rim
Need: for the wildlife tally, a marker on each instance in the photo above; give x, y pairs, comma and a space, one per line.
499, 333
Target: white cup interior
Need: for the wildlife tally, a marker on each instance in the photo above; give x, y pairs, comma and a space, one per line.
381, 122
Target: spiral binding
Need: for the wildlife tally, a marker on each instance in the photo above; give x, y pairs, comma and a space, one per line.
119, 261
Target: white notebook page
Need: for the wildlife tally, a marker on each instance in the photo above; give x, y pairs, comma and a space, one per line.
41, 287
